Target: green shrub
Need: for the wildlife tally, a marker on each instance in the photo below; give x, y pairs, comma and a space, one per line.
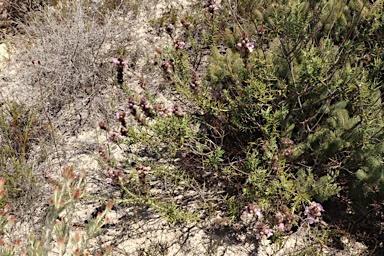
303, 71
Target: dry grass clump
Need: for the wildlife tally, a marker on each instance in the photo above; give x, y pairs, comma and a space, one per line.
17, 10
66, 54
12, 12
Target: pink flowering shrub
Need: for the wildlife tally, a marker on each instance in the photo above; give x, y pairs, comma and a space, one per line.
273, 107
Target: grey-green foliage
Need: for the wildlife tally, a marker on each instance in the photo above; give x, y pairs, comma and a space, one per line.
66, 44
332, 88
319, 189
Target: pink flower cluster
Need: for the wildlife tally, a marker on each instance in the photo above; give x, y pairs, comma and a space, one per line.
119, 61
113, 136
211, 6
141, 167
169, 28
287, 144
145, 106
120, 116
194, 85
187, 25
134, 109
179, 44
245, 46
171, 110
113, 175
251, 214
284, 219
168, 68
120, 64
262, 231
150, 111
313, 212
142, 172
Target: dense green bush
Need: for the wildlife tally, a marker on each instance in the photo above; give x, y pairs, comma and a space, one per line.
304, 86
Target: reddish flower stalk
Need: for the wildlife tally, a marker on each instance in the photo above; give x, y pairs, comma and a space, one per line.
245, 47
194, 86
211, 6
